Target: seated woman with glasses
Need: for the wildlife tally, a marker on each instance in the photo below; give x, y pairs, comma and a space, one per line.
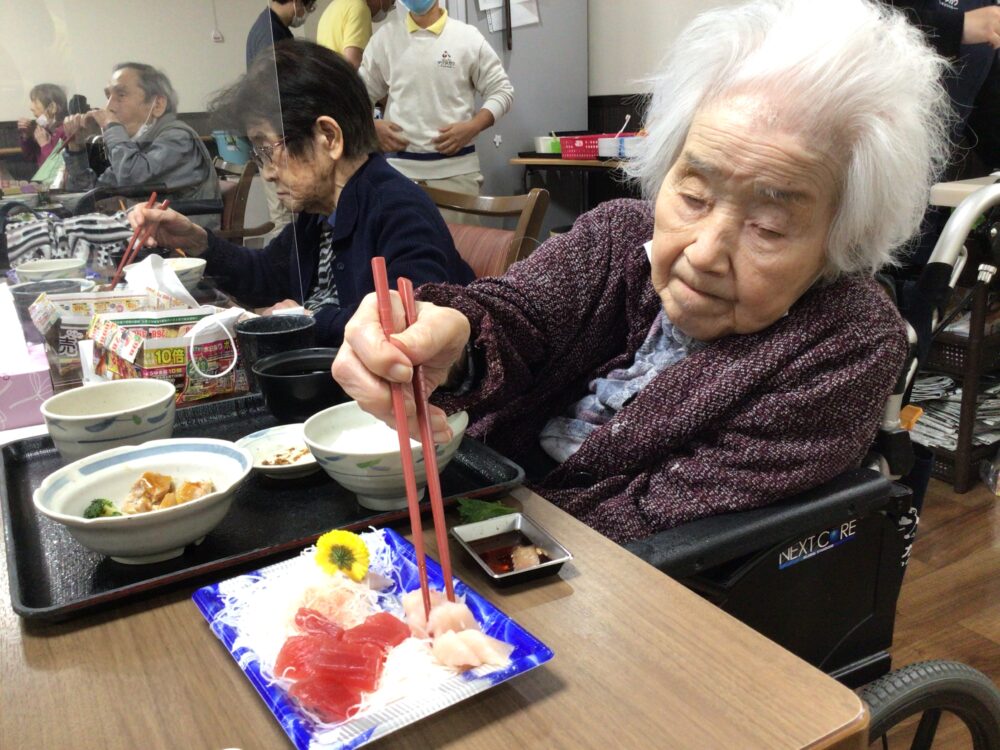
317, 144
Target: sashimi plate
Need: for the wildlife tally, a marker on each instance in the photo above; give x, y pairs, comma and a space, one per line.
401, 570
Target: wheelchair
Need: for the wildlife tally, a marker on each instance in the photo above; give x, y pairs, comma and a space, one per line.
820, 573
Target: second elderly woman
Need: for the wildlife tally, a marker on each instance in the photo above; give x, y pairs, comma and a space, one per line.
720, 345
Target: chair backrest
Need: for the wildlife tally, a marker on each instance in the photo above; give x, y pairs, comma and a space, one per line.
491, 251
235, 181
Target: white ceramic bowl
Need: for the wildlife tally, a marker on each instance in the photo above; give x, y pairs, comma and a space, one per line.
266, 445
52, 268
93, 418
361, 453
85, 285
189, 271
159, 534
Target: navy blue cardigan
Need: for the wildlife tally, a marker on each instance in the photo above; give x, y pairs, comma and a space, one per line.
380, 212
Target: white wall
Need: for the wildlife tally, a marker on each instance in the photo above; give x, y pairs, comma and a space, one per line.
76, 42
628, 39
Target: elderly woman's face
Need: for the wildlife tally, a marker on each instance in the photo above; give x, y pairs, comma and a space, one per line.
742, 220
303, 183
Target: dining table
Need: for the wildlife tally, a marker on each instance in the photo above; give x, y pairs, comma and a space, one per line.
639, 661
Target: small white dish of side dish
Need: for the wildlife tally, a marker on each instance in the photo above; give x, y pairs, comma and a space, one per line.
280, 452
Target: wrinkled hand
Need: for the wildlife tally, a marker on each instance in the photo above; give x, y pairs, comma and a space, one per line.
102, 117
982, 26
24, 124
367, 361
75, 127
283, 305
388, 136
455, 136
170, 229
42, 136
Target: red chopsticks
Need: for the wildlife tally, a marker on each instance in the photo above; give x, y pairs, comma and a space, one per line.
426, 438
135, 243
427, 442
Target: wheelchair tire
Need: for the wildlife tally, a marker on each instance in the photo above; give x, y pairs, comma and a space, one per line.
935, 686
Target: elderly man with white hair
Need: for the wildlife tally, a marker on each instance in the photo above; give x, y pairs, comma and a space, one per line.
145, 141
722, 344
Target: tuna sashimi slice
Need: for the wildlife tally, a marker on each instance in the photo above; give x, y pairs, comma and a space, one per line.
382, 629
329, 699
358, 665
295, 658
310, 621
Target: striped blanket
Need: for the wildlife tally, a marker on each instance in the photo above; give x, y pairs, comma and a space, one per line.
95, 238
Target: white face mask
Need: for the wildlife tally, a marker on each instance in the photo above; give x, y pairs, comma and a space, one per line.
299, 20
146, 125
42, 120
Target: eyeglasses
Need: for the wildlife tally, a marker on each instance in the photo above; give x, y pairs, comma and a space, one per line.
263, 153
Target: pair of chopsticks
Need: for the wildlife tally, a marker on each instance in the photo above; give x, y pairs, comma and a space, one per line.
405, 288
138, 239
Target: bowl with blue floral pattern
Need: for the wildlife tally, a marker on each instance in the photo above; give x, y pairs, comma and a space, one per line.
361, 453
142, 504
93, 418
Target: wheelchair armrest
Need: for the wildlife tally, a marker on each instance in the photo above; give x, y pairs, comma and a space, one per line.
197, 207
127, 191
707, 542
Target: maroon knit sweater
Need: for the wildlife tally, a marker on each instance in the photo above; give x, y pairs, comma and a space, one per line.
744, 422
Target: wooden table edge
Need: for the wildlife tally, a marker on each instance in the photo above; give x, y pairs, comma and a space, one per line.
851, 736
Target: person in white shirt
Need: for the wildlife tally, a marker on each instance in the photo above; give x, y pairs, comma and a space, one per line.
431, 68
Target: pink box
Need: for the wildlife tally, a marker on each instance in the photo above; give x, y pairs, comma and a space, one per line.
24, 385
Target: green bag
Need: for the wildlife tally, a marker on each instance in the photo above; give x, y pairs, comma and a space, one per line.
51, 167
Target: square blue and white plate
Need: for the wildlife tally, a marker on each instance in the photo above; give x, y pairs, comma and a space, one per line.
528, 653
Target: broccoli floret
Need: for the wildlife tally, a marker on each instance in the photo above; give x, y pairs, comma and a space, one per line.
100, 508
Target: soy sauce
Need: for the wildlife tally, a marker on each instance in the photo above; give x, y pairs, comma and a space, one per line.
496, 551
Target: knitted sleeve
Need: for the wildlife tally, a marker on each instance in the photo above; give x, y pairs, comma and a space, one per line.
491, 82
561, 311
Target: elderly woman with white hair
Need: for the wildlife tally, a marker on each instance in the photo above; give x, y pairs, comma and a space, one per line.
721, 345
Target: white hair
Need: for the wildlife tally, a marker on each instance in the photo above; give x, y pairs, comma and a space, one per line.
852, 73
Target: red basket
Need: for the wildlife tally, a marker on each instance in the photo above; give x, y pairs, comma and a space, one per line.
583, 146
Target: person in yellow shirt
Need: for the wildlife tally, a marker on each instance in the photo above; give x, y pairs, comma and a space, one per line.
346, 26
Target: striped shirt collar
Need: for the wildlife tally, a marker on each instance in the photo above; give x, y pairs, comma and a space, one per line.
435, 28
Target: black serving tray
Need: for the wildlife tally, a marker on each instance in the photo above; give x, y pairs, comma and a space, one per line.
52, 577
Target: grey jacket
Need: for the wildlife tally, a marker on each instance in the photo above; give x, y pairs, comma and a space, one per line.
169, 152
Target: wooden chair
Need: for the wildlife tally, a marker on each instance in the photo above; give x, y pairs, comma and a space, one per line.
234, 182
491, 251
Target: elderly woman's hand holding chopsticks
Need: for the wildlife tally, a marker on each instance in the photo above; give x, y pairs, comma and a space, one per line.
167, 228
367, 362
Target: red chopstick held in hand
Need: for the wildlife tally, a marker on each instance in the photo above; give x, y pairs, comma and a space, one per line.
405, 287
399, 412
137, 241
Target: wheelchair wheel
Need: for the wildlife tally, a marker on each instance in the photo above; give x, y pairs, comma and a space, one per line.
927, 689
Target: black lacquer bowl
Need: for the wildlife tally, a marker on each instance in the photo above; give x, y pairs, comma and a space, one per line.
297, 384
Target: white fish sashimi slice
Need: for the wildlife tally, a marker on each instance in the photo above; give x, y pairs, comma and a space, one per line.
413, 609
452, 651
455, 616
468, 649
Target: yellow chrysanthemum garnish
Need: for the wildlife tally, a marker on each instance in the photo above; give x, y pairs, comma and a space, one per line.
344, 551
